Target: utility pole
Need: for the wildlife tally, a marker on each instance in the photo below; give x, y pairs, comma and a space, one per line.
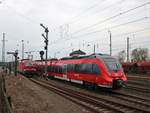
127, 49
22, 49
3, 48
94, 48
110, 42
46, 45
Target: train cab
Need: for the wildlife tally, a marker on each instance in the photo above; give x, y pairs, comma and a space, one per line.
113, 72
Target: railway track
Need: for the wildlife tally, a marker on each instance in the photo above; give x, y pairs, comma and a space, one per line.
139, 78
123, 93
133, 99
115, 103
138, 88
141, 83
72, 97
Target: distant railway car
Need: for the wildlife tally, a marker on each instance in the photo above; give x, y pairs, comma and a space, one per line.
26, 67
129, 66
143, 66
40, 66
95, 70
137, 67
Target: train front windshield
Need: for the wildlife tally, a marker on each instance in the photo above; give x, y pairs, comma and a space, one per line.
112, 64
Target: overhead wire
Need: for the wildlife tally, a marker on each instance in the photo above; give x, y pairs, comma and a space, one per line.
20, 14
29, 19
36, 22
112, 27
115, 26
112, 17
57, 40
100, 11
115, 47
85, 11
124, 48
123, 34
111, 22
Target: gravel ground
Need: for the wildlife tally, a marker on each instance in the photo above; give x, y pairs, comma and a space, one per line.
0, 96
0, 107
27, 97
138, 75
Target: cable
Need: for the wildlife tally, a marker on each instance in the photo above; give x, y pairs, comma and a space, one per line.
137, 31
115, 26
22, 15
118, 35
83, 12
56, 41
2, 1
112, 17
102, 10
114, 49
73, 22
123, 18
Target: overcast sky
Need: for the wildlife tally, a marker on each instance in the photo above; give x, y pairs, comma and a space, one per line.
74, 24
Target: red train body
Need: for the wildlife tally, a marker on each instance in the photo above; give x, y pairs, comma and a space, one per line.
98, 69
26, 67
137, 67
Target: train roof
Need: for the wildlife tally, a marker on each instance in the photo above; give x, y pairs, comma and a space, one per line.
52, 59
86, 56
24, 59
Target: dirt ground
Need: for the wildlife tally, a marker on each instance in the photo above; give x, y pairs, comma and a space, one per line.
28, 97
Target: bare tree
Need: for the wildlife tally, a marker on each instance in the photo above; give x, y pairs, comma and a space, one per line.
139, 54
121, 56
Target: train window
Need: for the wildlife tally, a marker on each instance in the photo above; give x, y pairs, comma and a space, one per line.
64, 68
52, 69
87, 68
95, 69
60, 69
49, 68
55, 69
77, 68
112, 64
70, 67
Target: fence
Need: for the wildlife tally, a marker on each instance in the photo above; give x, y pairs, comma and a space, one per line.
5, 102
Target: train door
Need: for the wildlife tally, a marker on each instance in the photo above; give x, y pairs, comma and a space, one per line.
70, 71
65, 71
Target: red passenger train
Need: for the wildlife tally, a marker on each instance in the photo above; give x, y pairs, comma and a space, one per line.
96, 70
26, 67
